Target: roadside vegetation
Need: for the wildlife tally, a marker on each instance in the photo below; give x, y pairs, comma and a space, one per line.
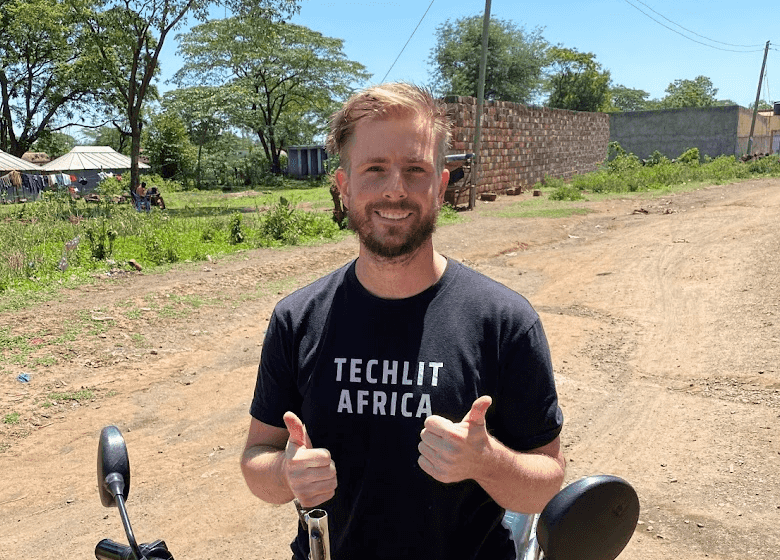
59, 242
624, 172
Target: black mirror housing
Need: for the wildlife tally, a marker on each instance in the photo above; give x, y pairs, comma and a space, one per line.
590, 519
112, 460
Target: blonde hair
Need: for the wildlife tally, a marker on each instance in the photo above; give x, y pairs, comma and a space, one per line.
385, 101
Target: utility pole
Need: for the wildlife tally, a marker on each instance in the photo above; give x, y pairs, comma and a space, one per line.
755, 107
480, 103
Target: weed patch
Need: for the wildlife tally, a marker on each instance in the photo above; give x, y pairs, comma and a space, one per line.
70, 396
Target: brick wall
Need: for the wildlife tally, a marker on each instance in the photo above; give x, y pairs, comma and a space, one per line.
521, 145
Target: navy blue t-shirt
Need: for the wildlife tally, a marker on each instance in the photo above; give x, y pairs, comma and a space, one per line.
364, 372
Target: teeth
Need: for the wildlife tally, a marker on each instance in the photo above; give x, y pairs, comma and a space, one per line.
394, 215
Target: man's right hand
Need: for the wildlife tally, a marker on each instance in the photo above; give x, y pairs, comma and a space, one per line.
310, 473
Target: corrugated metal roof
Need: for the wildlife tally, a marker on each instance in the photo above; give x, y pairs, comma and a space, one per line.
91, 157
11, 163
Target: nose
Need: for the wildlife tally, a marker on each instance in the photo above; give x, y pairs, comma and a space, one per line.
395, 186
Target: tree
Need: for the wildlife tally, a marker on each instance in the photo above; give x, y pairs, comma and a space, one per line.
168, 146
698, 92
762, 106
577, 82
128, 36
54, 144
268, 71
108, 136
46, 76
514, 62
627, 99
200, 108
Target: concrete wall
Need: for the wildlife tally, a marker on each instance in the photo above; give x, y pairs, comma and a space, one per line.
672, 131
714, 130
521, 145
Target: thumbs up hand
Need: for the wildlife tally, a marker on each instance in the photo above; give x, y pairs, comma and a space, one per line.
451, 452
309, 472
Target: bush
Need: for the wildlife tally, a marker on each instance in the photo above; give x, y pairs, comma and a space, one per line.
690, 157
566, 192
236, 234
764, 165
283, 223
121, 186
100, 238
656, 158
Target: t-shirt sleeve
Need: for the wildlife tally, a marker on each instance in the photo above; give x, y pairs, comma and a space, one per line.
276, 389
526, 413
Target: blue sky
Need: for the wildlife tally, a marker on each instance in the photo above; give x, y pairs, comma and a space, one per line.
639, 52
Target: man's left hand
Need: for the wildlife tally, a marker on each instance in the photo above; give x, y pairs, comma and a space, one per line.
451, 452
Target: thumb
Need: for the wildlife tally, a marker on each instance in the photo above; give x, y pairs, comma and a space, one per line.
478, 410
297, 430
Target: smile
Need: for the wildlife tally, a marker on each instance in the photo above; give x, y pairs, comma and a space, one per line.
393, 215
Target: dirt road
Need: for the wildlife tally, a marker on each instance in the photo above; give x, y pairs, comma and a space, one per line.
663, 316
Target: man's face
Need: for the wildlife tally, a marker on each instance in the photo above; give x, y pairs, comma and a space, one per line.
392, 190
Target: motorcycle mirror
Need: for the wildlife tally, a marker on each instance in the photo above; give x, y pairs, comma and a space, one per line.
113, 466
590, 519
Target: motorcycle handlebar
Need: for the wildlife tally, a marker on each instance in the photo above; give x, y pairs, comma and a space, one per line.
111, 550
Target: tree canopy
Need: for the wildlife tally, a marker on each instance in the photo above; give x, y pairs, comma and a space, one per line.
698, 92
275, 77
576, 81
514, 62
127, 38
623, 98
46, 75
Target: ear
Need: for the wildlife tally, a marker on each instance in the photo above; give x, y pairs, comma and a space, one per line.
445, 178
342, 182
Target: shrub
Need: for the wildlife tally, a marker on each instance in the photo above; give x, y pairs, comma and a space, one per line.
100, 238
656, 158
566, 192
690, 157
236, 234
283, 223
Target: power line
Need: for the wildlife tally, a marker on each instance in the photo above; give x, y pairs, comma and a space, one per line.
409, 39
685, 36
690, 31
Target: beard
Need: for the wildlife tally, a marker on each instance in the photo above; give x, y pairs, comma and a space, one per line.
393, 242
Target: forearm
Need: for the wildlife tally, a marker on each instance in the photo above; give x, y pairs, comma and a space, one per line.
262, 467
521, 482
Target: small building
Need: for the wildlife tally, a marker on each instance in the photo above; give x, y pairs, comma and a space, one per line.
15, 179
90, 165
306, 161
774, 126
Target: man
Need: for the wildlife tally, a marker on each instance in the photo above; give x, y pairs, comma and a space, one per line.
379, 382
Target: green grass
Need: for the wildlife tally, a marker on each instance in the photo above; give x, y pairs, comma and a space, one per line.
70, 396
11, 418
56, 243
541, 208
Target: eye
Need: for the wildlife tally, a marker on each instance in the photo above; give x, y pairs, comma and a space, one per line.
375, 169
416, 169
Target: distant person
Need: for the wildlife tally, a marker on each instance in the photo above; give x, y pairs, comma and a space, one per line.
156, 198
143, 202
